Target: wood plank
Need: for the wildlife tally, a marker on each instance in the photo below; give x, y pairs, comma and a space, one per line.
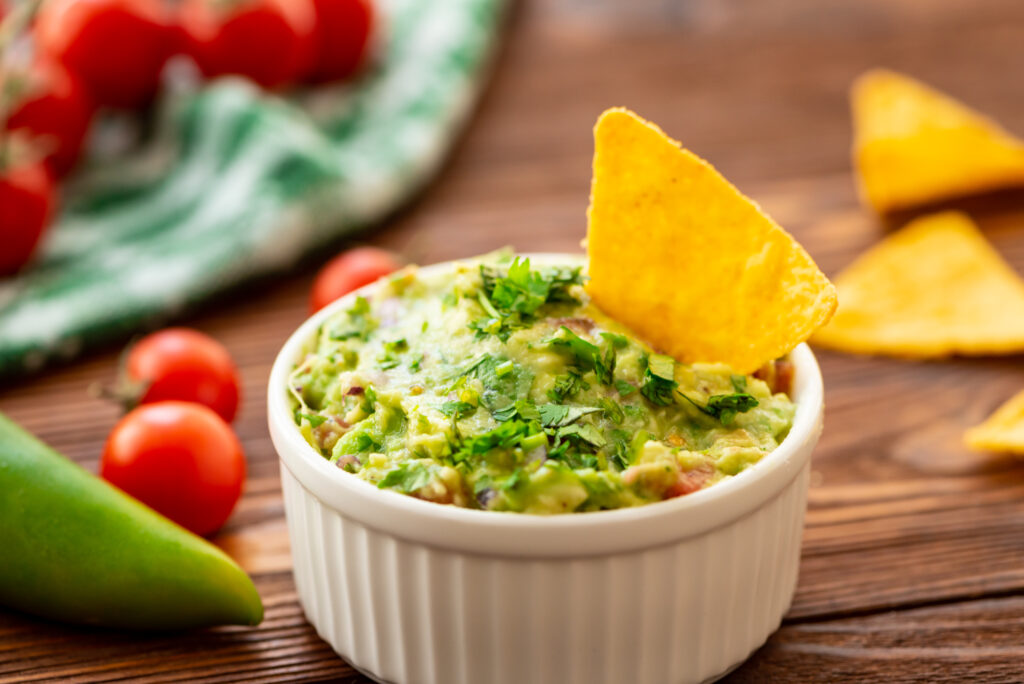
977, 641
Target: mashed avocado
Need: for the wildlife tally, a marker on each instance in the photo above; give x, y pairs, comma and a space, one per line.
499, 386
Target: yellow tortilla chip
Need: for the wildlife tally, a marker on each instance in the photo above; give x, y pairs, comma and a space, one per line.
689, 263
1003, 431
914, 145
932, 289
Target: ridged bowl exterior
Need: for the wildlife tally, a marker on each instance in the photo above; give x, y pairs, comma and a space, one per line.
403, 611
413, 592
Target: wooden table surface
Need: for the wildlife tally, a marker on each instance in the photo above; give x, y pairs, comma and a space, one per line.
913, 555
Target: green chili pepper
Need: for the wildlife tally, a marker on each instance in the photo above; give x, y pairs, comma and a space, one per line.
77, 549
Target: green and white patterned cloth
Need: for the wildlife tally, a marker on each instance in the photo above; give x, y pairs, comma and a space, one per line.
235, 184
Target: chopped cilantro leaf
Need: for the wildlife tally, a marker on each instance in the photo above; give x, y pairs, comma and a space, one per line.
739, 382
456, 409
508, 435
567, 385
612, 411
513, 480
504, 383
724, 407
616, 340
624, 388
587, 355
361, 324
361, 307
314, 419
511, 299
369, 400
659, 380
555, 415
408, 477
622, 453
364, 443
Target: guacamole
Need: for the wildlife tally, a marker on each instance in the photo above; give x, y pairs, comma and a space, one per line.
499, 386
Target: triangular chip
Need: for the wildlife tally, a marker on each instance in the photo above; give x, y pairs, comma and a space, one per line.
689, 263
1003, 431
914, 145
932, 289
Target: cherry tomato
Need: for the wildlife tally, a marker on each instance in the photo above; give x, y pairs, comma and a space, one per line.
180, 459
53, 107
27, 203
184, 364
117, 47
349, 271
342, 40
268, 41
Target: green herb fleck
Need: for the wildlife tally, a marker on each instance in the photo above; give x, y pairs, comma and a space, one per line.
587, 355
512, 298
659, 380
624, 388
555, 415
408, 477
724, 407
314, 420
567, 386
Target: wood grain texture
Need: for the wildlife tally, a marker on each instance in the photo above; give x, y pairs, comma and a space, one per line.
913, 556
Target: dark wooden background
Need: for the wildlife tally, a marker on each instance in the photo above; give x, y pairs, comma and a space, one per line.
913, 557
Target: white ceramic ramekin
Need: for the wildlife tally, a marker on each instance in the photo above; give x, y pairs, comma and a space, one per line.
412, 591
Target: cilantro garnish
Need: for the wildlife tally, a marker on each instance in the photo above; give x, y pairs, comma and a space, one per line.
622, 451
624, 388
724, 407
612, 411
556, 415
512, 298
659, 380
616, 340
408, 477
505, 382
456, 409
567, 386
361, 323
369, 404
364, 443
389, 359
739, 382
508, 435
314, 419
587, 355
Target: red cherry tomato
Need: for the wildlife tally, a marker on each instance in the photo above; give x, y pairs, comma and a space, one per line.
52, 107
342, 40
180, 459
349, 271
268, 41
184, 364
27, 203
117, 47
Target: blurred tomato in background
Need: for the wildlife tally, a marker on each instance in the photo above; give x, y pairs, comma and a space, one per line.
52, 107
343, 31
268, 41
349, 271
117, 47
27, 201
